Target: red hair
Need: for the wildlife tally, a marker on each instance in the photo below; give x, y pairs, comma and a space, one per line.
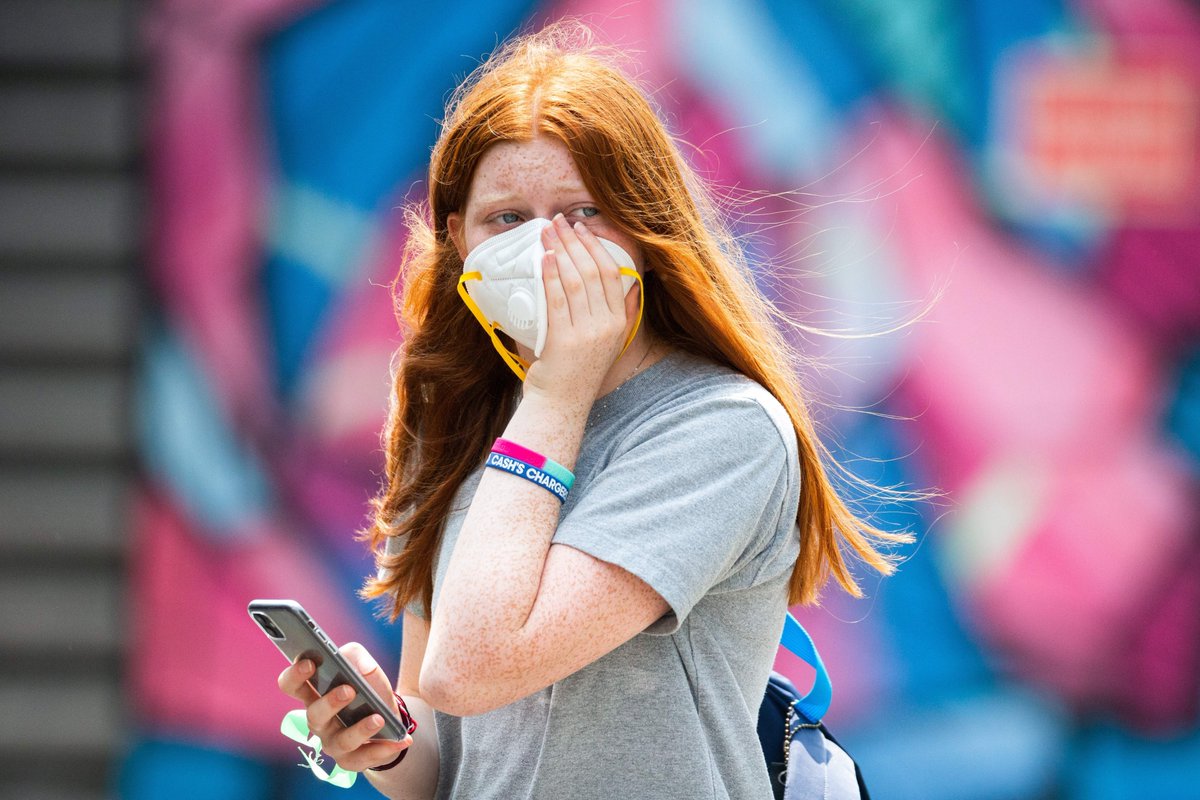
451, 401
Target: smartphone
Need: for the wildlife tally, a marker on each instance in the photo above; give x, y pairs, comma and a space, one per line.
297, 636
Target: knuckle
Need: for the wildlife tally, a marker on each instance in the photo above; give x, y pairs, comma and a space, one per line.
341, 747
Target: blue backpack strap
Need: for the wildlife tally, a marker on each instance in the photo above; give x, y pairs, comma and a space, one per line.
814, 704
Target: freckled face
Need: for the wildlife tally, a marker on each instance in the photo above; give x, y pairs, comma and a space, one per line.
519, 181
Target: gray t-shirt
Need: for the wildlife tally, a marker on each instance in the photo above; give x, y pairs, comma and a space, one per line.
688, 477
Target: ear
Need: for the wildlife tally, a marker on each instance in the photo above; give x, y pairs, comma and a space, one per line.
454, 226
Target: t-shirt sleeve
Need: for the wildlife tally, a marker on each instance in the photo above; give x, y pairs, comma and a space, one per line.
688, 499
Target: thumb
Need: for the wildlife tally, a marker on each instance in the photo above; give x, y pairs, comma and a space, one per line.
633, 301
369, 668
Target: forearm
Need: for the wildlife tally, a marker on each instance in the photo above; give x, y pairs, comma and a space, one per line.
414, 778
500, 555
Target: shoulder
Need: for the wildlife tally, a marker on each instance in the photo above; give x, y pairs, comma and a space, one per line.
716, 402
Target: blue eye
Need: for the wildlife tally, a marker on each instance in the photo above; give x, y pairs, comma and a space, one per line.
509, 217
589, 211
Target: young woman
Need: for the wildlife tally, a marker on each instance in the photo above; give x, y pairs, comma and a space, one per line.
616, 643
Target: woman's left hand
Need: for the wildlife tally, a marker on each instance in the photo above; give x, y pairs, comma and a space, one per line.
588, 317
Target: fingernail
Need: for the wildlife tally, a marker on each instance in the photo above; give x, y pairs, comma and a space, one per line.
344, 693
305, 667
579, 227
375, 721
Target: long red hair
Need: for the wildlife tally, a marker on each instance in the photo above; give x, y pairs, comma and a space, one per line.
452, 397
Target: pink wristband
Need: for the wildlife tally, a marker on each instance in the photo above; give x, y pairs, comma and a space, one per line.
513, 450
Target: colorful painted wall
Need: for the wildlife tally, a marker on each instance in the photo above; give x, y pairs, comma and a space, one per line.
1004, 192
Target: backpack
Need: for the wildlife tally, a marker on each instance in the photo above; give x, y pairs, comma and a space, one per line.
803, 758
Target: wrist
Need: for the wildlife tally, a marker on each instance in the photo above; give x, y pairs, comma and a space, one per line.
559, 406
549, 424
395, 762
410, 725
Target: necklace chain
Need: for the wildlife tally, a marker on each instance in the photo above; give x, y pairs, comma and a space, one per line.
638, 368
604, 401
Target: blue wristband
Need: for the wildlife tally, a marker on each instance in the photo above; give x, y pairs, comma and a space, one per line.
536, 460
514, 466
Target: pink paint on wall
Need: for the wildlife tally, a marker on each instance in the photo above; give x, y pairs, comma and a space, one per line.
200, 669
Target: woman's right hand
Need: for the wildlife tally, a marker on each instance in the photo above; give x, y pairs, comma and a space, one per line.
588, 313
352, 748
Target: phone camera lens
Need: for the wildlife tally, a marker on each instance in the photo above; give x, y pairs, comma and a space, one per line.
267, 625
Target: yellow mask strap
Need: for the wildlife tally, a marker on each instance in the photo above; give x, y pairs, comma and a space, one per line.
641, 305
514, 361
517, 364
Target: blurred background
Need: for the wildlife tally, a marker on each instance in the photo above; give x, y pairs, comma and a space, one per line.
199, 220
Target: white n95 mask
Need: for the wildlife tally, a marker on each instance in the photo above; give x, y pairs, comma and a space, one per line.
502, 285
